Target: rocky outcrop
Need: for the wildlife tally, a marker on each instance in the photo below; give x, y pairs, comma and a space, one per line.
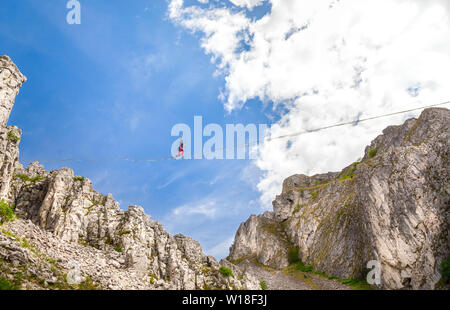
393, 206
266, 231
9, 154
68, 207
10, 81
63, 223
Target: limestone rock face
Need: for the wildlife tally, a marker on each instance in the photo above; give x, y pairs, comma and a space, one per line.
9, 154
257, 231
393, 207
63, 223
10, 81
72, 210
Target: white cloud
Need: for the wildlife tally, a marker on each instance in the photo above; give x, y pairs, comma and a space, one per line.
207, 209
250, 4
327, 62
222, 249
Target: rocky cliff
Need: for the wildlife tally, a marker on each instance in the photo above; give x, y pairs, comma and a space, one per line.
392, 206
67, 235
10, 81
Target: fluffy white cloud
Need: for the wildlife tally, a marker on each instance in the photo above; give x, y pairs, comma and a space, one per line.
208, 209
250, 4
327, 62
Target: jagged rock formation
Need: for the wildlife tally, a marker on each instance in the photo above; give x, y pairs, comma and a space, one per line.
9, 154
393, 206
258, 234
63, 223
10, 81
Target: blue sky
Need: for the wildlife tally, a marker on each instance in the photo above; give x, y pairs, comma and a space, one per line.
113, 87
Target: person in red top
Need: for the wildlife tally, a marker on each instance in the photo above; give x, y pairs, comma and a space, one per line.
180, 149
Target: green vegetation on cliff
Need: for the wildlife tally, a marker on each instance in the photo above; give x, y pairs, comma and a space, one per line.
263, 285
445, 273
6, 212
12, 137
226, 272
79, 179
26, 178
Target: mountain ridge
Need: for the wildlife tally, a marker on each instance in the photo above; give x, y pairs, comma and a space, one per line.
392, 206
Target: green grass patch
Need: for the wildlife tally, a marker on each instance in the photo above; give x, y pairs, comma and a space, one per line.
6, 212
445, 267
295, 270
293, 255
263, 285
51, 261
79, 179
26, 178
11, 235
88, 285
11, 285
299, 265
445, 270
372, 153
26, 244
345, 177
304, 268
82, 241
118, 249
12, 137
225, 271
322, 274
350, 173
124, 232
314, 194
356, 284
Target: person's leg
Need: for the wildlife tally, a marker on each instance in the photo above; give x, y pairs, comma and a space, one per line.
180, 153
